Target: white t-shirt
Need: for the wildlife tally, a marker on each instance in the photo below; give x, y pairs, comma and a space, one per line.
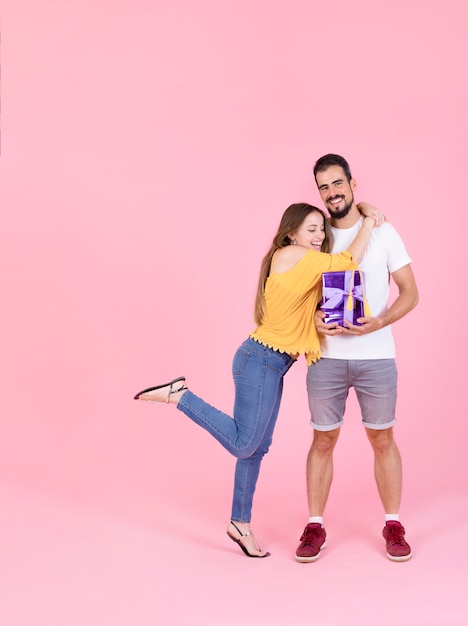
385, 254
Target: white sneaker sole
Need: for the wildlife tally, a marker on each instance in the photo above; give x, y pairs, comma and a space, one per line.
310, 559
399, 558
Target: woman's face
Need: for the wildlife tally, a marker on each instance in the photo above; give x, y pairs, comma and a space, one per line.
311, 232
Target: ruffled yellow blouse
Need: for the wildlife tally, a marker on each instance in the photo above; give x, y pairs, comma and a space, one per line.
291, 300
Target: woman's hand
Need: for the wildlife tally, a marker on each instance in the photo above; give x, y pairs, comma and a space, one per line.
326, 329
369, 210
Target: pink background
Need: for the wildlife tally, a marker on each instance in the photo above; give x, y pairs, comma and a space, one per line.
148, 150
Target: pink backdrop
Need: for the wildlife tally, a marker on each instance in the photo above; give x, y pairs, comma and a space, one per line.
148, 150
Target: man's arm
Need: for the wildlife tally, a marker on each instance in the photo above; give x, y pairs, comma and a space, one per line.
406, 301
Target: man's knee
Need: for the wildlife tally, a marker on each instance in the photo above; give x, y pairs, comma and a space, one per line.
381, 440
324, 441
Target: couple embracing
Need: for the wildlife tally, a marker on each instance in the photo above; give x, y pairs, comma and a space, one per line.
289, 325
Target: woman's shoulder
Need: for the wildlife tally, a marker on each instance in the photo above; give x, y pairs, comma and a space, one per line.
286, 258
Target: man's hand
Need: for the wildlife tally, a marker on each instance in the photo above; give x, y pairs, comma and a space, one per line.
369, 325
326, 329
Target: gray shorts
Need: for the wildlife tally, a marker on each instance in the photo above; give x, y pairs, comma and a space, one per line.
375, 384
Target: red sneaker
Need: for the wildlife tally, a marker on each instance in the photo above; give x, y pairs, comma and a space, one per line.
397, 548
312, 541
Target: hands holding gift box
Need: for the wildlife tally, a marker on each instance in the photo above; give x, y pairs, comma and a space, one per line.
344, 297
362, 326
344, 307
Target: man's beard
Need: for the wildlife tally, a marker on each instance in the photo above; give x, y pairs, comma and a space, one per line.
338, 215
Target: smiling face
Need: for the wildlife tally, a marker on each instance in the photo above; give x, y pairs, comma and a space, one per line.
336, 191
311, 232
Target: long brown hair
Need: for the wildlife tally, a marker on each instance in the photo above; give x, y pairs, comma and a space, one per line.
292, 219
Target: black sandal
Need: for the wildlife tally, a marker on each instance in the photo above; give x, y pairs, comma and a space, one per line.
171, 391
241, 545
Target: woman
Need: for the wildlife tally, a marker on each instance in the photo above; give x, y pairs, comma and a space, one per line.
288, 291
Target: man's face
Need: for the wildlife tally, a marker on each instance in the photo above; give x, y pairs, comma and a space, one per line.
336, 192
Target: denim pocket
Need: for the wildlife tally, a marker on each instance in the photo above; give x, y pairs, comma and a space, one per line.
240, 360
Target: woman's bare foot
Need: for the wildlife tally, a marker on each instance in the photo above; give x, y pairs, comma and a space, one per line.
240, 533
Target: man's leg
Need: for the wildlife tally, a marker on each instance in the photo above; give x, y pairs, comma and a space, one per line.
319, 478
320, 470
387, 468
376, 388
327, 388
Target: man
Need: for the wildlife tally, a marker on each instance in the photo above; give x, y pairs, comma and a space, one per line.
359, 356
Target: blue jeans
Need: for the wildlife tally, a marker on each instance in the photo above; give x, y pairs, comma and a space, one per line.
258, 378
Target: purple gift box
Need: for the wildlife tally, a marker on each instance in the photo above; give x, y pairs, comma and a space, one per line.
336, 288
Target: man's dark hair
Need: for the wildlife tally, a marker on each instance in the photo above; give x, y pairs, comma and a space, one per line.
332, 159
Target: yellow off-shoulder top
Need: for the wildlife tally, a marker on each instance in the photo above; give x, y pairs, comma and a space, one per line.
291, 300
